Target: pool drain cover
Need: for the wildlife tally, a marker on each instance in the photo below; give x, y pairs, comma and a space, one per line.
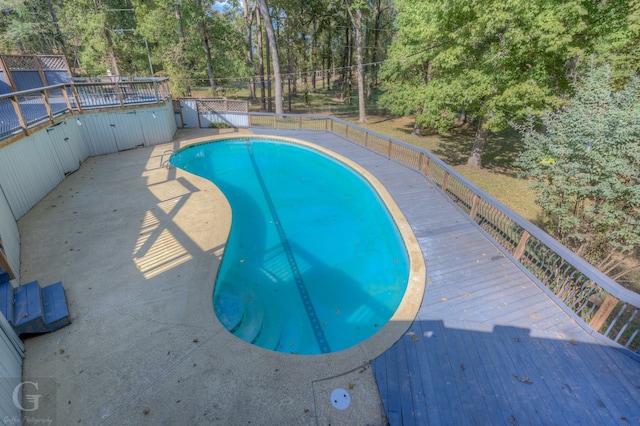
340, 399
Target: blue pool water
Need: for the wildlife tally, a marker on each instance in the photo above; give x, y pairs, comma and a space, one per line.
314, 262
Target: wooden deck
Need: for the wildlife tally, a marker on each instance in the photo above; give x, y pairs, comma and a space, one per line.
488, 346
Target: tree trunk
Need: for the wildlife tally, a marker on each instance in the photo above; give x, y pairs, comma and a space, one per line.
248, 18
205, 46
373, 79
264, 11
176, 6
345, 63
482, 134
416, 128
58, 38
263, 101
314, 55
112, 54
269, 83
356, 19
110, 50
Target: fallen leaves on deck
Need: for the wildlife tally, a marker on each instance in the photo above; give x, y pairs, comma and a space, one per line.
523, 379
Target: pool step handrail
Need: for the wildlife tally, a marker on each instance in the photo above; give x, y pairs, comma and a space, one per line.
166, 163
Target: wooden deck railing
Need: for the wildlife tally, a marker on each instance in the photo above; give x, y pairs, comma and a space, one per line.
26, 111
604, 307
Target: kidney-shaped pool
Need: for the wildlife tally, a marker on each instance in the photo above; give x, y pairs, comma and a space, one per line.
314, 262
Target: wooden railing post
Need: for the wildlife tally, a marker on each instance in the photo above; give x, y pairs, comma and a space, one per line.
366, 139
445, 180
157, 92
198, 113
118, 89
66, 99
47, 105
389, 149
346, 132
522, 245
18, 109
74, 91
474, 206
603, 312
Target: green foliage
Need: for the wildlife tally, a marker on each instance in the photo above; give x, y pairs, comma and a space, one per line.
497, 60
28, 26
584, 160
219, 126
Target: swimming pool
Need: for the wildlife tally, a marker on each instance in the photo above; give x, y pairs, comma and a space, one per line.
314, 262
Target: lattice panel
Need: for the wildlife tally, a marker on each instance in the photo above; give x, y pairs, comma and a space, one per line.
238, 106
53, 63
21, 63
211, 105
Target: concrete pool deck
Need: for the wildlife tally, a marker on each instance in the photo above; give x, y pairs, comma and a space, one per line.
137, 247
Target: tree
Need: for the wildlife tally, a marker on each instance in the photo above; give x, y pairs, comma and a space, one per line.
585, 166
354, 9
271, 39
205, 43
493, 60
29, 26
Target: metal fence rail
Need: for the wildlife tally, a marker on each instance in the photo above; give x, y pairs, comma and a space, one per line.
22, 112
603, 306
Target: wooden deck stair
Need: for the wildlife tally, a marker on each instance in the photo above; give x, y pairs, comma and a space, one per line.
31, 309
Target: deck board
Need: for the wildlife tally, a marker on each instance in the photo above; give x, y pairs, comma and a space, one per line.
485, 329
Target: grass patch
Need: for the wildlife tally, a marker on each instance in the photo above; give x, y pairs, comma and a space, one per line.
510, 190
498, 178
